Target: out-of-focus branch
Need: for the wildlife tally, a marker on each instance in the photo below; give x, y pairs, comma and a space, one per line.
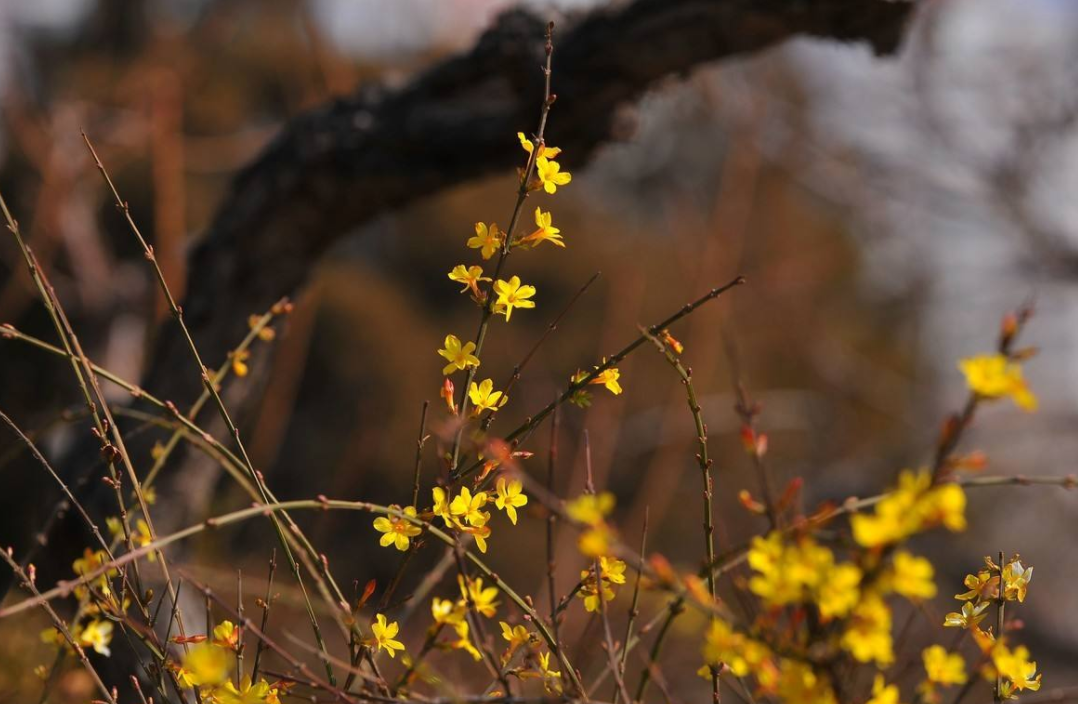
334, 169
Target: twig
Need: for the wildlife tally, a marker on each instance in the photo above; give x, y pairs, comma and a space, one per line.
611, 361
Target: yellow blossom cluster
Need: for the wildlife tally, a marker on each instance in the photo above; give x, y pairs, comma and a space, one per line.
915, 505
992, 586
208, 668
994, 376
611, 572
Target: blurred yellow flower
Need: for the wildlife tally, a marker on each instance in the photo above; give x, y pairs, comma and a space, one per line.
994, 376
868, 635
96, 634
883, 693
914, 506
205, 665
942, 667
912, 576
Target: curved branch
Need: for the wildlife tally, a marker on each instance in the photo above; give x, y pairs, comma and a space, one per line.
333, 169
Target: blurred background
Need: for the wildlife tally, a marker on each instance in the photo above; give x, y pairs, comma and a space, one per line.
886, 210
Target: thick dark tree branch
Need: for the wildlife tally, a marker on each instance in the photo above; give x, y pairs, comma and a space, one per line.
336, 168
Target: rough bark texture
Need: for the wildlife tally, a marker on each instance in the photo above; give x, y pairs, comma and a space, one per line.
334, 169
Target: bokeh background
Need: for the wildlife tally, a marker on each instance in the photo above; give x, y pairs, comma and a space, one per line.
886, 210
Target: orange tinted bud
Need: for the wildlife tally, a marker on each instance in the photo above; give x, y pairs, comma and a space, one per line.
748, 439
661, 566
447, 394
791, 492
750, 504
367, 592
188, 639
672, 342
973, 462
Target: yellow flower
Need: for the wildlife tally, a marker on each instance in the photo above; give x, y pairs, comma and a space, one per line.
480, 534
591, 509
226, 635
803, 572
883, 693
397, 531
724, 646
459, 356
468, 507
912, 576
868, 636
511, 294
89, 562
516, 635
205, 665
609, 379
942, 667
463, 642
982, 586
484, 600
445, 611
546, 231
994, 376
97, 634
550, 677
1016, 666
469, 276
510, 497
611, 571
799, 684
544, 151
384, 633
550, 174
839, 591
1016, 580
247, 693
441, 506
969, 617
487, 239
914, 506
485, 398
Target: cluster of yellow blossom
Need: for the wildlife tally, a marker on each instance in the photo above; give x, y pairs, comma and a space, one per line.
803, 571
453, 614
140, 533
993, 585
994, 376
91, 626
208, 666
592, 510
915, 505
611, 572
